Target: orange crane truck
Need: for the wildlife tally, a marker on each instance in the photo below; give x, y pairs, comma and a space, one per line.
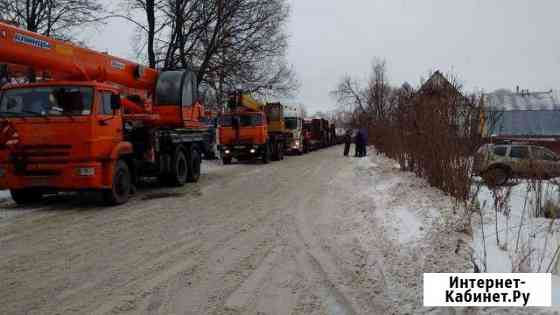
93, 122
251, 130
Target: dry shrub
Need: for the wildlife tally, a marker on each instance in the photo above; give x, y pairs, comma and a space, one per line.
433, 134
551, 209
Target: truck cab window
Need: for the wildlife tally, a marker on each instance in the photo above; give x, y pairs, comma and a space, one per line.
225, 121
291, 123
47, 101
250, 120
105, 106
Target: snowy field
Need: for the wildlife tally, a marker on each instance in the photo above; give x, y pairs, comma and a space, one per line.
414, 215
508, 237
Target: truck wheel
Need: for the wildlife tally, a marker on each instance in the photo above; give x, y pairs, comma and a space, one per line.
195, 160
179, 168
266, 154
26, 196
227, 160
122, 183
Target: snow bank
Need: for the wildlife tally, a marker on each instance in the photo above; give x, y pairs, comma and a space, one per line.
512, 239
396, 229
5, 194
8, 209
424, 227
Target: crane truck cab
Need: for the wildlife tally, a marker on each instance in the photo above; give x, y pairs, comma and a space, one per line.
96, 122
244, 136
60, 136
251, 130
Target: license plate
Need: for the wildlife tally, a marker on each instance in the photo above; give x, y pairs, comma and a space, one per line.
239, 147
39, 182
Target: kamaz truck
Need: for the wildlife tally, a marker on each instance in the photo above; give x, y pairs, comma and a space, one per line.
251, 130
93, 122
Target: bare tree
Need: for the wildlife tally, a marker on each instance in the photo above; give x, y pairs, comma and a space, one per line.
378, 91
351, 95
229, 43
51, 17
148, 28
371, 102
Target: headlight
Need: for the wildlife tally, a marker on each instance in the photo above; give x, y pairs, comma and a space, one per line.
227, 151
297, 143
85, 171
253, 151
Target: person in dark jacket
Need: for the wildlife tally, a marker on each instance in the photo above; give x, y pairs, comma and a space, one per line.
364, 142
358, 139
347, 142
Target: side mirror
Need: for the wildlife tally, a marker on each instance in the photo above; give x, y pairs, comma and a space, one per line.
115, 102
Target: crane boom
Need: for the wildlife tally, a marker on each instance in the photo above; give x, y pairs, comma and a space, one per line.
70, 62
249, 102
240, 100
173, 93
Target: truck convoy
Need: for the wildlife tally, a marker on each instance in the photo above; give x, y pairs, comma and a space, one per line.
252, 130
93, 122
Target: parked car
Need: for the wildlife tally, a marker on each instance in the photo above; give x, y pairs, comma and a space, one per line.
497, 163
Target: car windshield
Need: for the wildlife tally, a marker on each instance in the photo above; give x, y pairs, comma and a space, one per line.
540, 153
242, 120
291, 123
47, 101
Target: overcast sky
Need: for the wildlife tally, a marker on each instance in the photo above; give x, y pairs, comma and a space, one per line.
488, 44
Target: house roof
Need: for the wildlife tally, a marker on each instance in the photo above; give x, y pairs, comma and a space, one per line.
505, 100
437, 81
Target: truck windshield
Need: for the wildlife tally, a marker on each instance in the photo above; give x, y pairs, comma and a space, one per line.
47, 101
243, 120
291, 123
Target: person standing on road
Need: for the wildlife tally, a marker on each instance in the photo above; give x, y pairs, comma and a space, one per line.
347, 142
358, 141
363, 149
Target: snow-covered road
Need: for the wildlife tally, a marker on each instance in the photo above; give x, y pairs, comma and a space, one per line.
314, 234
